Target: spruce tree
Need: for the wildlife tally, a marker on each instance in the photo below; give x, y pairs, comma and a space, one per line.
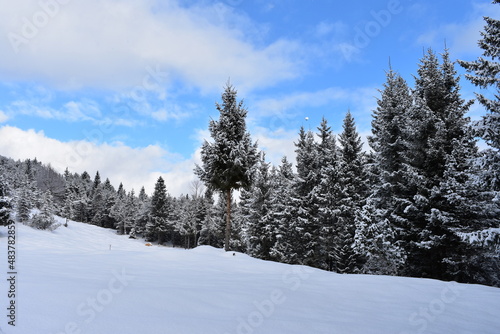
352, 198
187, 221
257, 214
70, 197
483, 73
436, 124
5, 202
306, 222
284, 211
118, 211
143, 214
213, 227
24, 203
381, 221
229, 161
109, 198
159, 227
97, 206
45, 219
326, 193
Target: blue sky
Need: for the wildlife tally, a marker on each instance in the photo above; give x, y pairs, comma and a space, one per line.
128, 87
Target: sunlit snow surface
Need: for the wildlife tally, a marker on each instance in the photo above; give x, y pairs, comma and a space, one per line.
85, 279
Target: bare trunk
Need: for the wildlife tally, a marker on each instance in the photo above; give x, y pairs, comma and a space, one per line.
228, 220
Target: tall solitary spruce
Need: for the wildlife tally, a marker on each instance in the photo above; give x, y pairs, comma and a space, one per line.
229, 161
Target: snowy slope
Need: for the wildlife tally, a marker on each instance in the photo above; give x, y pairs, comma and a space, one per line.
70, 281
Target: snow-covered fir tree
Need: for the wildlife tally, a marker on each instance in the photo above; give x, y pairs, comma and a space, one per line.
24, 203
96, 202
213, 226
187, 221
306, 222
326, 194
44, 220
256, 211
376, 241
159, 227
5, 201
143, 214
119, 210
284, 212
353, 182
229, 161
484, 73
437, 140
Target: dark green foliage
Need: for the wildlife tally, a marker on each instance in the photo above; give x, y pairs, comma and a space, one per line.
159, 228
256, 211
353, 182
5, 202
484, 73
45, 219
228, 161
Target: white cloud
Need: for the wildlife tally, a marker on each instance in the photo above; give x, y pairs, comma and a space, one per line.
276, 144
84, 110
134, 167
113, 44
3, 117
288, 109
461, 37
273, 106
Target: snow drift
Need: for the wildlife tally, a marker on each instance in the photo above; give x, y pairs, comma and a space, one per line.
86, 279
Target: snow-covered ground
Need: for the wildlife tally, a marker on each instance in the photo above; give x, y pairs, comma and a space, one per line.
85, 279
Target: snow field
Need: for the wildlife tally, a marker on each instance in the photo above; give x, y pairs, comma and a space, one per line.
70, 281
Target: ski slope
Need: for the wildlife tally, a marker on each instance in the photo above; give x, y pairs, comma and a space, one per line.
85, 279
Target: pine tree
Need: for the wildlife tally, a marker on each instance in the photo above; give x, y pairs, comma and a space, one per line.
45, 219
83, 204
109, 198
5, 202
228, 162
24, 203
97, 181
131, 210
353, 181
97, 206
160, 227
306, 223
438, 140
381, 222
256, 204
187, 221
376, 243
387, 137
326, 194
69, 198
285, 234
143, 214
118, 211
213, 227
483, 73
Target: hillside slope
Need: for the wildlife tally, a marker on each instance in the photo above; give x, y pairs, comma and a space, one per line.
85, 279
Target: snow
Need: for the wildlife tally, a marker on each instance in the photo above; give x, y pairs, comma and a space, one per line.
70, 281
483, 237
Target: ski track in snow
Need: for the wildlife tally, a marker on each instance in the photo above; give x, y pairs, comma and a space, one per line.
70, 281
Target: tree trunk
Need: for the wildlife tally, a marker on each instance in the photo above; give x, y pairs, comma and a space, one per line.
228, 221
